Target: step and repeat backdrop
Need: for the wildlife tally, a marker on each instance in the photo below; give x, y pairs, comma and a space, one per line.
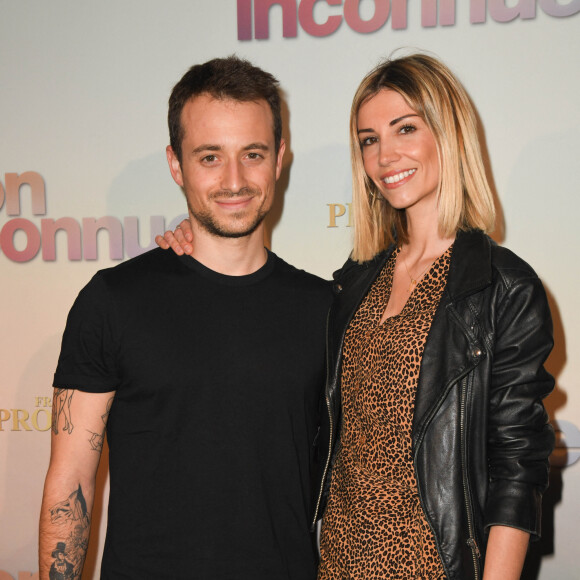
84, 182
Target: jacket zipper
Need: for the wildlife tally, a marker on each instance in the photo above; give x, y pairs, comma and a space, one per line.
383, 262
421, 501
471, 542
331, 422
462, 379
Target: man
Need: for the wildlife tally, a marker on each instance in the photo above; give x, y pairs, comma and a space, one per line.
210, 437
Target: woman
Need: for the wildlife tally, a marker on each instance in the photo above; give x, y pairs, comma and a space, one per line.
435, 445
437, 441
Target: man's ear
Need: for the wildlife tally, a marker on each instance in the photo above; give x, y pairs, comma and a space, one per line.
174, 166
279, 158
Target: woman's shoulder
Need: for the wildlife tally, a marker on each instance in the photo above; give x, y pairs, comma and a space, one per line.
351, 268
509, 266
477, 248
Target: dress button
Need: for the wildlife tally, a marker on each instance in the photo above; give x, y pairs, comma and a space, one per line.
476, 352
338, 288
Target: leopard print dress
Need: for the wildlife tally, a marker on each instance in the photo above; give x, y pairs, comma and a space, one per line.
374, 526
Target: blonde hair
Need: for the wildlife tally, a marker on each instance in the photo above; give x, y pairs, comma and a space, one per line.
465, 200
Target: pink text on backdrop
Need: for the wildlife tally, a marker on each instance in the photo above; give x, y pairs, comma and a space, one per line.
81, 237
254, 14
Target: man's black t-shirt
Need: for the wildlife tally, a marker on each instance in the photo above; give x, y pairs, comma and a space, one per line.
211, 431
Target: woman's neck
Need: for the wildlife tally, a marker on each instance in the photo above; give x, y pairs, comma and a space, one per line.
424, 240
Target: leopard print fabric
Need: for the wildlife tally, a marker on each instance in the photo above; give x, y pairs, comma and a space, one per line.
374, 526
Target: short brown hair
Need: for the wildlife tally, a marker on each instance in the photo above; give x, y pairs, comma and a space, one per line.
465, 200
223, 78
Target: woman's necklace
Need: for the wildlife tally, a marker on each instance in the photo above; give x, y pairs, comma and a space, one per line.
415, 280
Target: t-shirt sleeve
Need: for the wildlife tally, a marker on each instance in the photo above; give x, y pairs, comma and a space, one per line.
87, 360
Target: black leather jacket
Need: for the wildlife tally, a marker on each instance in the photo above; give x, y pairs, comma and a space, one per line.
481, 437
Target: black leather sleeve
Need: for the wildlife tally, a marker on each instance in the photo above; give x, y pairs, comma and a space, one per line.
520, 438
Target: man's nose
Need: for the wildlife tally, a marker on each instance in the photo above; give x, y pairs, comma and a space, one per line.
234, 177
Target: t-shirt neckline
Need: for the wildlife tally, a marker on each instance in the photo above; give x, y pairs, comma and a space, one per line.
226, 280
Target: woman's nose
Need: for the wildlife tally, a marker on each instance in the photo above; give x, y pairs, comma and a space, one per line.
388, 153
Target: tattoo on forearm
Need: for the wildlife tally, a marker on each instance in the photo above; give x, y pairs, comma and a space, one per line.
69, 555
61, 408
72, 509
105, 415
64, 566
96, 439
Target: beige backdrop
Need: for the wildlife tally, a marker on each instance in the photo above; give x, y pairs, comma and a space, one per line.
83, 95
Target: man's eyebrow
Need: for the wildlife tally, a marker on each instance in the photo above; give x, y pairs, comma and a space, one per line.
207, 147
259, 146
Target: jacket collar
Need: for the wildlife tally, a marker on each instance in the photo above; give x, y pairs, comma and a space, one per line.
470, 268
469, 272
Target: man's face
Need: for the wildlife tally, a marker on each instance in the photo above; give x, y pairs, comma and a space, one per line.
229, 166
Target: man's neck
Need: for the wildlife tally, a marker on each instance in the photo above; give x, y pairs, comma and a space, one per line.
230, 256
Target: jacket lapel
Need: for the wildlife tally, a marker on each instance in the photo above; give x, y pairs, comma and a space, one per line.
451, 343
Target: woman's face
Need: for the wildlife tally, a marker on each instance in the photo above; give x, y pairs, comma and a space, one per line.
399, 152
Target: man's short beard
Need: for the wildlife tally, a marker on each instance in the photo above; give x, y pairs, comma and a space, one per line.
207, 221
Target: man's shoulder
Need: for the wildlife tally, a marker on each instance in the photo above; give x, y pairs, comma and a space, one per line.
147, 265
146, 273
295, 276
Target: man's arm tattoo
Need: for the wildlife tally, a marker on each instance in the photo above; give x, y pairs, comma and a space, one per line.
61, 408
69, 555
96, 439
105, 415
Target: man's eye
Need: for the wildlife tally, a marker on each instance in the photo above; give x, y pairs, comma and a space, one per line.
209, 158
254, 155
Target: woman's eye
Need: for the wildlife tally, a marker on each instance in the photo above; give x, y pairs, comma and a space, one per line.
405, 129
368, 141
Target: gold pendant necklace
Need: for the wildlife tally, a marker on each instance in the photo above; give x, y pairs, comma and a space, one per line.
414, 281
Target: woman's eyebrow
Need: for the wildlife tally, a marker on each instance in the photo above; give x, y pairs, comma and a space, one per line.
391, 123
395, 121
